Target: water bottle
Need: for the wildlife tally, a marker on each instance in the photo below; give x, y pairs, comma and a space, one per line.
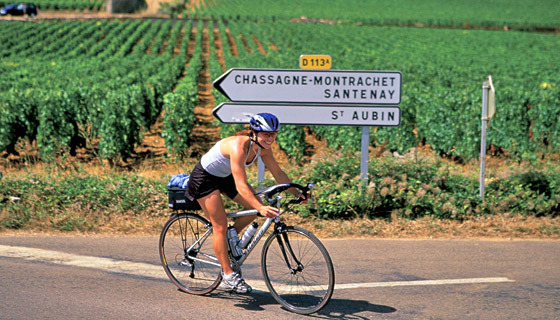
248, 235
233, 242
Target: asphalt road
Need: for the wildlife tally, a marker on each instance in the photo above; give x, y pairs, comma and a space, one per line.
53, 277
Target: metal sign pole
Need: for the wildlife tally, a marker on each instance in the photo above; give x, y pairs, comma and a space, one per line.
260, 174
485, 88
365, 155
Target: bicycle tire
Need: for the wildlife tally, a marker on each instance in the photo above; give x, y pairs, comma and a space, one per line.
179, 233
304, 291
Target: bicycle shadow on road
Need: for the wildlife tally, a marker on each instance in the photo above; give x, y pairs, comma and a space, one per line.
335, 309
351, 309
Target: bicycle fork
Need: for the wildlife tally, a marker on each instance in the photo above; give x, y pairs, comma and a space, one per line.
286, 248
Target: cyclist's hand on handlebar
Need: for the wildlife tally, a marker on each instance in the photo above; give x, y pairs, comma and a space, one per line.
268, 211
302, 197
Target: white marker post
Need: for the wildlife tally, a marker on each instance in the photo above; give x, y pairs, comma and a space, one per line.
488, 111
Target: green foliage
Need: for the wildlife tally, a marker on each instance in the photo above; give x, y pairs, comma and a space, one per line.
528, 193
413, 188
18, 116
292, 140
76, 202
120, 127
57, 124
178, 106
178, 119
340, 137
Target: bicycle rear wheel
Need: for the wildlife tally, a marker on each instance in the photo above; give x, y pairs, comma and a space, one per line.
298, 270
187, 255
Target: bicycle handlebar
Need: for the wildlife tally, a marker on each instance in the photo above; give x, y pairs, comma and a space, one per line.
271, 191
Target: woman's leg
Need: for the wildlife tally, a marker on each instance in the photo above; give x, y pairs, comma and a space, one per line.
242, 222
213, 207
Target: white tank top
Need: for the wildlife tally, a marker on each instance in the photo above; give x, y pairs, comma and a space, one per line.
215, 163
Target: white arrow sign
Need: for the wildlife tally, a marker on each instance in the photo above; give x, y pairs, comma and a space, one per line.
311, 86
312, 114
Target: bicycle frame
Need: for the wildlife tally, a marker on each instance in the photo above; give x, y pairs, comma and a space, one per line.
198, 244
258, 236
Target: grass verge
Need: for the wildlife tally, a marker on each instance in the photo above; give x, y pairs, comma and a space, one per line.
78, 198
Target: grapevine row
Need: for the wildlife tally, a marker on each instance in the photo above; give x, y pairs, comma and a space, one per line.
178, 106
520, 14
106, 82
51, 102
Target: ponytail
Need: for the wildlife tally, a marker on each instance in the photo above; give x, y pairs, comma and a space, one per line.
246, 132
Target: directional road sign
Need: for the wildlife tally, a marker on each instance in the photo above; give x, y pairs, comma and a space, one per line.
312, 114
311, 86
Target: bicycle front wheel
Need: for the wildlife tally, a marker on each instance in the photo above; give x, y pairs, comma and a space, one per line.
298, 270
187, 254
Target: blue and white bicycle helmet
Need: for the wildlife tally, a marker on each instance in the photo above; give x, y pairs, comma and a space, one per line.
266, 122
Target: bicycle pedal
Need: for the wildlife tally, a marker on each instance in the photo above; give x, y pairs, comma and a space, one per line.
185, 264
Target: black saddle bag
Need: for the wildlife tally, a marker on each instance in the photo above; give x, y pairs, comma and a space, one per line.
179, 201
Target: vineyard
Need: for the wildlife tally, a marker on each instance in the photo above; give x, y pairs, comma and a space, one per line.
102, 84
516, 14
97, 88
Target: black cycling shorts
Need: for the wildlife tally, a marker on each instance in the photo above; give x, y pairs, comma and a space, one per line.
201, 183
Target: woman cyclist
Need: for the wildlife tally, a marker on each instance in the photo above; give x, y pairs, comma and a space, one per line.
222, 170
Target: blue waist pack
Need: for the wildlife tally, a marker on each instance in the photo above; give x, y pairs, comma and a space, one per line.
179, 180
176, 193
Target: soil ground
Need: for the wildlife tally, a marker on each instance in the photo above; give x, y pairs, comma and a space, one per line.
149, 161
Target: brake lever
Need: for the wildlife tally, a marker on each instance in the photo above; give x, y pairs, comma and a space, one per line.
308, 196
310, 188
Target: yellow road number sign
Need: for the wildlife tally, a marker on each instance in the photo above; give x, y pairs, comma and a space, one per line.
315, 61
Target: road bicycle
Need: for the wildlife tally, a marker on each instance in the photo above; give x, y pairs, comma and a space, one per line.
296, 266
